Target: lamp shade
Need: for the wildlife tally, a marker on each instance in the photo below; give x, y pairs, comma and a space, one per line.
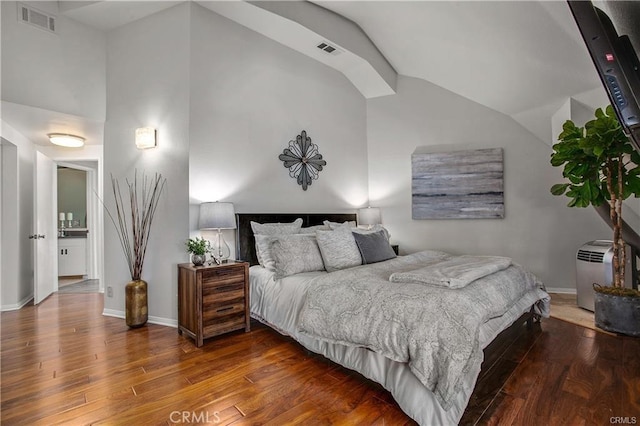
217, 216
369, 216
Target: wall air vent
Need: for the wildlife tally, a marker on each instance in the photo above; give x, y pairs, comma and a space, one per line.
328, 48
37, 18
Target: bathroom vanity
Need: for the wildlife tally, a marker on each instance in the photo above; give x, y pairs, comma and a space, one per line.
72, 252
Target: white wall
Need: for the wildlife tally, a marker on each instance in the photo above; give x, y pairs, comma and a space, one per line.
9, 256
538, 230
17, 283
224, 112
148, 85
249, 97
62, 71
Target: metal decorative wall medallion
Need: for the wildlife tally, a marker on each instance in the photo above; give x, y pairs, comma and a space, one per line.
303, 160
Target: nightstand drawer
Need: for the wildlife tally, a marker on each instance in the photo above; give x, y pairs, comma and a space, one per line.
232, 322
222, 313
211, 301
222, 273
228, 286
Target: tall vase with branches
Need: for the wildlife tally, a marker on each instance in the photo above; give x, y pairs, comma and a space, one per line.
133, 226
601, 166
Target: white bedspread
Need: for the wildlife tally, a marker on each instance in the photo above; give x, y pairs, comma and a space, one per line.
278, 304
434, 329
455, 272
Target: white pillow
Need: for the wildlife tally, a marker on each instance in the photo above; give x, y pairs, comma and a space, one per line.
272, 229
264, 246
294, 254
339, 249
312, 229
276, 228
263, 251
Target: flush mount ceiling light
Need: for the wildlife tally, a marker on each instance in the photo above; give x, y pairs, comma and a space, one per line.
63, 139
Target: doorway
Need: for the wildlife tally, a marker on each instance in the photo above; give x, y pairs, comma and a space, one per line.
79, 228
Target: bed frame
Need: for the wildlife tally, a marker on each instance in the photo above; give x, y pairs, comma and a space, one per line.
498, 355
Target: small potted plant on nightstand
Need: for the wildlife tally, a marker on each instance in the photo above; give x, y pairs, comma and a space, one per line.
603, 167
198, 248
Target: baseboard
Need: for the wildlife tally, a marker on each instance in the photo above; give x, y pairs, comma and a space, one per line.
168, 322
16, 306
561, 290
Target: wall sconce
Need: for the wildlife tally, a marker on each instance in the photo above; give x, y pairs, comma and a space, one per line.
145, 137
63, 139
369, 216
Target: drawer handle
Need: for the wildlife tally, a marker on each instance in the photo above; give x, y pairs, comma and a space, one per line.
225, 309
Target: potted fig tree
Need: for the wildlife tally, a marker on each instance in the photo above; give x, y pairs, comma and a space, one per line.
602, 166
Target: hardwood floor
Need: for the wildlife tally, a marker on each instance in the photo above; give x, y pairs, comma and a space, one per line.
65, 363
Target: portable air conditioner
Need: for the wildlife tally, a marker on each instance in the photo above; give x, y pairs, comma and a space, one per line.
594, 264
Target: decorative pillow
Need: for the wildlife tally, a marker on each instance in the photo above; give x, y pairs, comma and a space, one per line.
336, 225
272, 229
374, 247
338, 248
296, 253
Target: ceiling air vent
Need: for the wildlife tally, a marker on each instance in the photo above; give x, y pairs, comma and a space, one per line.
326, 47
37, 18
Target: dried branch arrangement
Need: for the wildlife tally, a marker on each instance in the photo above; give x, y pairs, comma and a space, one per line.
144, 194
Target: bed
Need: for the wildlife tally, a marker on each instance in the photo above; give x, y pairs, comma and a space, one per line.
351, 316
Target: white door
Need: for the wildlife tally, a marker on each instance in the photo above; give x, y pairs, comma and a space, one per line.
45, 234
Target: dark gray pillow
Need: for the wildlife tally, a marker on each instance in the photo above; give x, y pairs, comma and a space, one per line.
374, 247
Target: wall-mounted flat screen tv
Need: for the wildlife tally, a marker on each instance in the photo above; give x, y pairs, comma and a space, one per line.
615, 59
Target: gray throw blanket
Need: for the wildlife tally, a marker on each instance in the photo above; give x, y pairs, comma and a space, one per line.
434, 329
456, 272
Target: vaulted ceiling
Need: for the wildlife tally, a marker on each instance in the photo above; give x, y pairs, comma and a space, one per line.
521, 58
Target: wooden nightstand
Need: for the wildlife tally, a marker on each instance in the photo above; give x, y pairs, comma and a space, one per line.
212, 300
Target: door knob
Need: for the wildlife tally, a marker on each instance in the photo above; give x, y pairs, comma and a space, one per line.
36, 236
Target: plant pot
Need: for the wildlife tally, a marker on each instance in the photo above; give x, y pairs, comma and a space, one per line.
619, 314
198, 259
136, 313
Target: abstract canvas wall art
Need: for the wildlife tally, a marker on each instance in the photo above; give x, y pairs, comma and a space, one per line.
465, 184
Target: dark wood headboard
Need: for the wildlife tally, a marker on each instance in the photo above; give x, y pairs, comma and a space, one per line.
246, 243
